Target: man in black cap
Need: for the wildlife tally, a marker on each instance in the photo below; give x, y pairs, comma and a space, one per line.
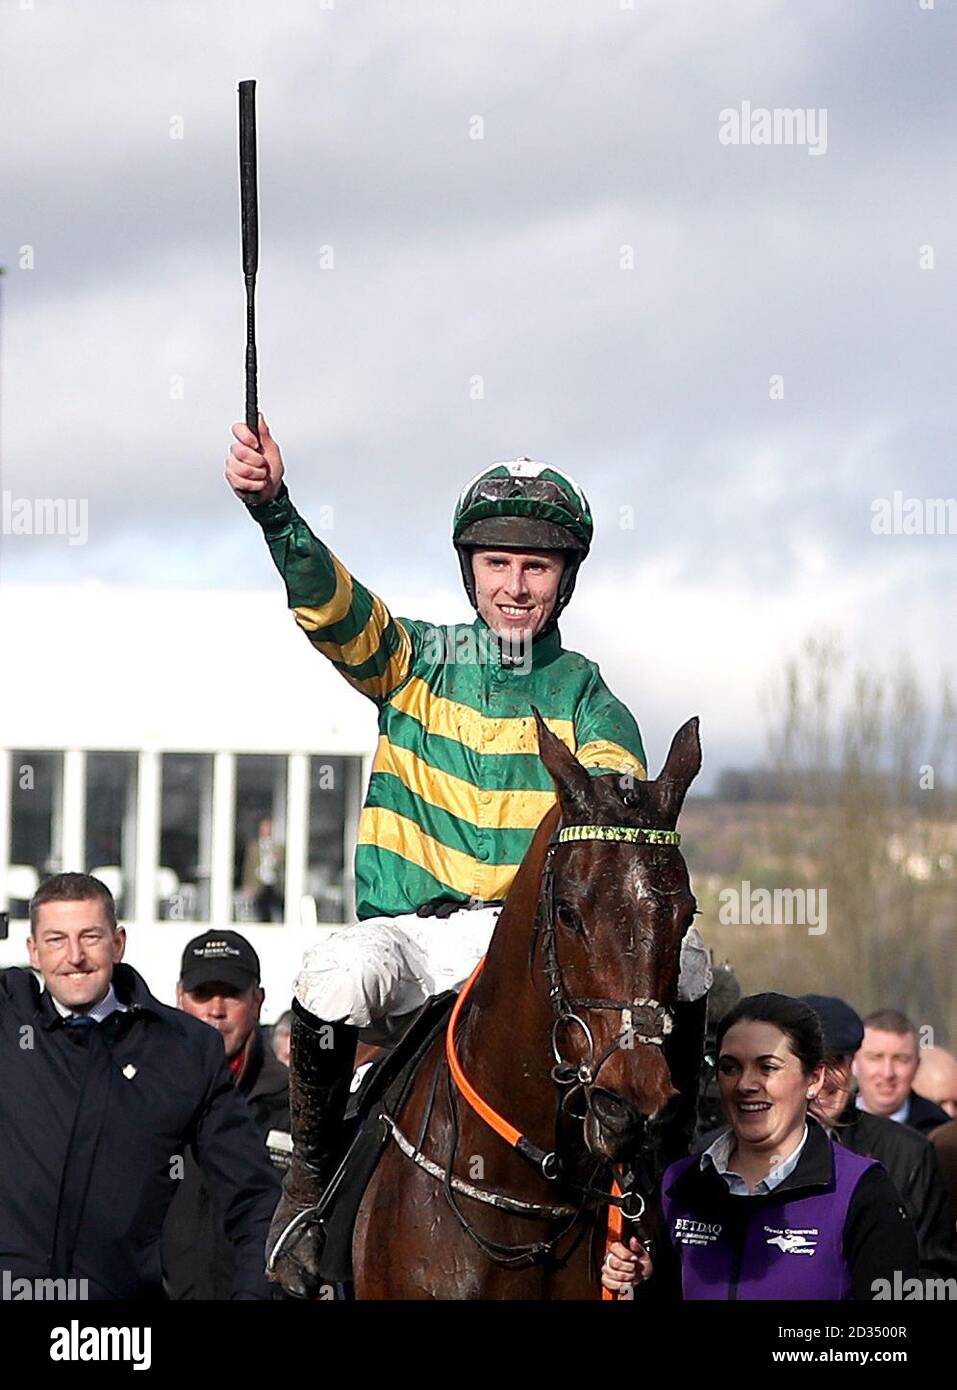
908, 1156
220, 984
102, 1084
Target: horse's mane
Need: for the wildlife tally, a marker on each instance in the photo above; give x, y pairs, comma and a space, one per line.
521, 903
523, 894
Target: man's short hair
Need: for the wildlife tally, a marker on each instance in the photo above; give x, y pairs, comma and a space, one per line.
71, 888
890, 1021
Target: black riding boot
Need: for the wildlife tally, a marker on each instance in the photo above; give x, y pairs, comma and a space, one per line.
321, 1065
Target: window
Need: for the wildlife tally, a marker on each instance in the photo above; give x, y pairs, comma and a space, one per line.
186, 814
35, 824
333, 798
259, 878
111, 824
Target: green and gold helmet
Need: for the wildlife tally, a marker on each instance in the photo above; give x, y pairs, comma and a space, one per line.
523, 505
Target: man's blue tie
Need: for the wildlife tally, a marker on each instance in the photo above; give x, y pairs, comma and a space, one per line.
80, 1021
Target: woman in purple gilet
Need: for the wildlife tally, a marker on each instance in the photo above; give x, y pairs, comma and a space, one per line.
773, 1209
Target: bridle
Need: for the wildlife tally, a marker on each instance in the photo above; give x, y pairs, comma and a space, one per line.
643, 1020
654, 1023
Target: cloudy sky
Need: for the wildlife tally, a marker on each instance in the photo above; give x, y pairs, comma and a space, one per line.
479, 305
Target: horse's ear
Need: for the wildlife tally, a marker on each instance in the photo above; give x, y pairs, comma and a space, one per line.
572, 782
682, 766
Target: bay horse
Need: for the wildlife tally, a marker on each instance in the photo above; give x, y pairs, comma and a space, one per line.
496, 1185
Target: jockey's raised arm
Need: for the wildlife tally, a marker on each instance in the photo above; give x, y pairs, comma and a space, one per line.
342, 619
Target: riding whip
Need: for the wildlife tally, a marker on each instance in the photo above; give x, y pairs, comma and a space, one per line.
250, 216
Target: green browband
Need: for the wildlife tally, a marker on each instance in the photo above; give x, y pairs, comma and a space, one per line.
618, 832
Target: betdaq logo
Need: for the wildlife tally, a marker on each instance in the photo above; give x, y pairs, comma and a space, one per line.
76, 1343
690, 1232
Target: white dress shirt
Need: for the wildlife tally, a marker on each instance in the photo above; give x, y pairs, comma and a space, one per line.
109, 1004
719, 1154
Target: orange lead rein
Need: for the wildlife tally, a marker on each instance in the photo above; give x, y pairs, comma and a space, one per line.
501, 1127
615, 1225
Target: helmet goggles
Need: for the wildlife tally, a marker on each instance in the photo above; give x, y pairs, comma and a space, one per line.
538, 490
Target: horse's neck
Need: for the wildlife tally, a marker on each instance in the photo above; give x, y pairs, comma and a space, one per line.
506, 1041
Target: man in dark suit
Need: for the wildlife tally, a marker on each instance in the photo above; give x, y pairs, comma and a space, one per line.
885, 1068
102, 1087
944, 1141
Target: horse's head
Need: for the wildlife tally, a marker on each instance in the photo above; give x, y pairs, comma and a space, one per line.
612, 916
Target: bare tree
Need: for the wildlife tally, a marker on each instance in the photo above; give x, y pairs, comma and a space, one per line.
872, 818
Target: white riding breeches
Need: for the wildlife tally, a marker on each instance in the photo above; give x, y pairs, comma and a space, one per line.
378, 972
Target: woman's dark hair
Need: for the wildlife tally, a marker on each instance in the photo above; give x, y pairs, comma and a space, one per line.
796, 1020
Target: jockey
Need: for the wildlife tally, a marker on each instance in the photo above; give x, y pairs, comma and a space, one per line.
457, 787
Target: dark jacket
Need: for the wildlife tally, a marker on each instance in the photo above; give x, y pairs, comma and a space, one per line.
912, 1164
944, 1141
198, 1260
90, 1120
874, 1236
924, 1115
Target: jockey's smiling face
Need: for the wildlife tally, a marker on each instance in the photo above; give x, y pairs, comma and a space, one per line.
516, 591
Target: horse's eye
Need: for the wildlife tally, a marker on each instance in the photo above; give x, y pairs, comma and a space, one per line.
568, 916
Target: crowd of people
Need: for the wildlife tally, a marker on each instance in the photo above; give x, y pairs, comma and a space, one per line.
143, 1154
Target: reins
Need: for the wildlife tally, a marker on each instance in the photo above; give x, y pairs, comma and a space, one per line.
545, 1162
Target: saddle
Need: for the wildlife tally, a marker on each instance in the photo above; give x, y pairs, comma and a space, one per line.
383, 1091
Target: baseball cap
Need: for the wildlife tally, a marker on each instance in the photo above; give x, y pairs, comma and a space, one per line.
219, 955
842, 1027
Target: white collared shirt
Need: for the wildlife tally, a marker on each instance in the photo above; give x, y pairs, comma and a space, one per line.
719, 1154
901, 1115
109, 1004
